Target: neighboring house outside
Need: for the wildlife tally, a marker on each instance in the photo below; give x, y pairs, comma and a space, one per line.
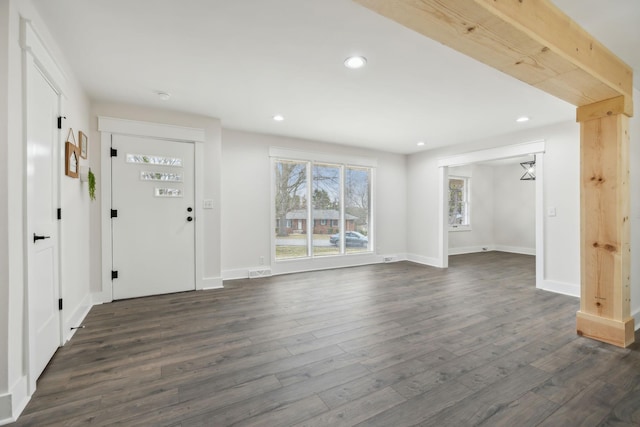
325, 221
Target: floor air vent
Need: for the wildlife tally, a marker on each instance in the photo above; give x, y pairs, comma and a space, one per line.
259, 272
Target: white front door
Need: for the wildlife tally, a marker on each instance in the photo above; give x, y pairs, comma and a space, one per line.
42, 236
153, 233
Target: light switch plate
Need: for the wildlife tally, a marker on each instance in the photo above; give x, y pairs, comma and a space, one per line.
207, 204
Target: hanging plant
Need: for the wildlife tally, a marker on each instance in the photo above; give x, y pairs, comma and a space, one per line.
92, 185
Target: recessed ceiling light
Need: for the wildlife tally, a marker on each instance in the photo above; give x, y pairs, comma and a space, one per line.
355, 62
163, 95
420, 144
522, 119
278, 117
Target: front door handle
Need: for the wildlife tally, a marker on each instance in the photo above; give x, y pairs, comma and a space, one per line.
36, 237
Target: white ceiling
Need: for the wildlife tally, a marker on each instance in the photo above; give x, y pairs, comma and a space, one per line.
245, 60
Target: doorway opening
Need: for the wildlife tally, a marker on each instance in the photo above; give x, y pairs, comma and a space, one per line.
457, 232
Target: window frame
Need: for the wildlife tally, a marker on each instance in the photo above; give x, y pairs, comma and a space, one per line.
284, 155
466, 225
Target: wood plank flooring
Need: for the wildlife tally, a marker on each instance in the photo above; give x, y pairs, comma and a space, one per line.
386, 345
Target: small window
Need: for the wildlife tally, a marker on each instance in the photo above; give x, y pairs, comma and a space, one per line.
323, 222
459, 202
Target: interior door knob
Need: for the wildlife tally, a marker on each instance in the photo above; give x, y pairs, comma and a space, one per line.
36, 237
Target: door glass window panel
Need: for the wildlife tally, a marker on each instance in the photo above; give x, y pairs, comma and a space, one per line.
168, 192
150, 159
357, 209
291, 209
160, 176
325, 193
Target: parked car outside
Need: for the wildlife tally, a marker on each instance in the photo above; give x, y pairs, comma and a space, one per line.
353, 238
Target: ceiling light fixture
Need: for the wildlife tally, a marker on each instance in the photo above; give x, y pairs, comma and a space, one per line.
420, 144
278, 117
355, 62
163, 95
522, 119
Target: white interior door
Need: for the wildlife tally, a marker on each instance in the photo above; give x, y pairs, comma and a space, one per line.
42, 237
153, 233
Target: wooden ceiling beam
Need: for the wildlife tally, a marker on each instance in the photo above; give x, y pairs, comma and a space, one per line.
531, 40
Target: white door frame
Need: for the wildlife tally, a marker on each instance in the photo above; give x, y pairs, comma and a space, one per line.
517, 150
36, 55
108, 126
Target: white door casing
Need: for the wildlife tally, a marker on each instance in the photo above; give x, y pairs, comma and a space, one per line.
41, 239
516, 150
153, 235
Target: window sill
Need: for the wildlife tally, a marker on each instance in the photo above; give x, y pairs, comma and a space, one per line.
460, 228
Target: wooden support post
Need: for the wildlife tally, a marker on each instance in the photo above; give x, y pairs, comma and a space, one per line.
533, 41
604, 227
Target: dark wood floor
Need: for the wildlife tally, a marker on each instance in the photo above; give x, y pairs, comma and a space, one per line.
385, 345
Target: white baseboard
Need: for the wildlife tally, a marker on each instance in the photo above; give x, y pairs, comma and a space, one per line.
325, 263
487, 248
470, 249
6, 409
636, 318
419, 259
515, 249
240, 273
301, 266
393, 257
570, 289
13, 403
77, 317
212, 283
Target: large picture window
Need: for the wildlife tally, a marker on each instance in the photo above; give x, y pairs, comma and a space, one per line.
459, 202
321, 209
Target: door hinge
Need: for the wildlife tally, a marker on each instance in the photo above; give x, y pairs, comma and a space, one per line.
114, 152
59, 303
60, 121
59, 214
114, 274
114, 213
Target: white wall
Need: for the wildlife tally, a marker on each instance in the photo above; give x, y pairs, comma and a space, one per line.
209, 218
514, 211
246, 201
561, 190
74, 202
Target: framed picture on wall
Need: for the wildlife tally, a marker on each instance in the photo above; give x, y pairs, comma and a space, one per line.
71, 160
83, 142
